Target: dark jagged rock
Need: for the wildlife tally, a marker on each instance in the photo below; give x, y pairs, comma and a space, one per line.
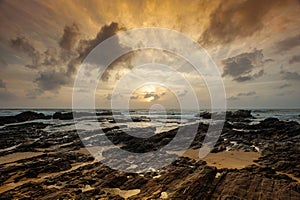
22, 117
254, 182
29, 115
45, 163
108, 113
63, 116
229, 115
205, 115
183, 179
239, 114
141, 119
27, 137
269, 122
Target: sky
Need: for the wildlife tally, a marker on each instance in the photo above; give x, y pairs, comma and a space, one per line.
255, 45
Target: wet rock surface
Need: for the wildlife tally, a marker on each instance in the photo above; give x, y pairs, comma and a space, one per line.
183, 179
61, 170
22, 117
239, 115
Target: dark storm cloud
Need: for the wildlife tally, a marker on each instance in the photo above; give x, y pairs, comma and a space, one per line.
86, 46
70, 37
243, 78
237, 66
23, 44
242, 63
290, 75
288, 43
249, 77
236, 19
51, 80
294, 59
2, 84
243, 66
252, 93
57, 66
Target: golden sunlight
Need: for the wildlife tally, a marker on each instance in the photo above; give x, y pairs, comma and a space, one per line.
149, 88
149, 93
150, 99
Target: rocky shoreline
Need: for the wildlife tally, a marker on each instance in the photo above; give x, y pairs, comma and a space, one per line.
57, 168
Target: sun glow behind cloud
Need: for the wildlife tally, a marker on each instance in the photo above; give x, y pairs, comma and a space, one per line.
150, 92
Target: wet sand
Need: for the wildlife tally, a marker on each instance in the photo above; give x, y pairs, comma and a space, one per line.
18, 156
10, 184
123, 193
225, 159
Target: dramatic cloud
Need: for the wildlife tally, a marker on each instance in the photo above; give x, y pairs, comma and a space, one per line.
153, 96
236, 19
288, 43
247, 94
249, 77
52, 47
242, 67
57, 66
51, 80
294, 59
2, 84
86, 46
24, 45
70, 37
290, 75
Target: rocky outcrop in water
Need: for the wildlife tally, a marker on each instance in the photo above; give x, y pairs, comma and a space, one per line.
22, 117
238, 115
63, 116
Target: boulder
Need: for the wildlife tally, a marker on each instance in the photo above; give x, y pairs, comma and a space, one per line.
239, 114
63, 116
22, 117
205, 115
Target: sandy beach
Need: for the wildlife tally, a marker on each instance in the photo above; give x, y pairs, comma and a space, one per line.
226, 159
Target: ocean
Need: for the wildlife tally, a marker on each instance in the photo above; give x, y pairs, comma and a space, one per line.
159, 120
